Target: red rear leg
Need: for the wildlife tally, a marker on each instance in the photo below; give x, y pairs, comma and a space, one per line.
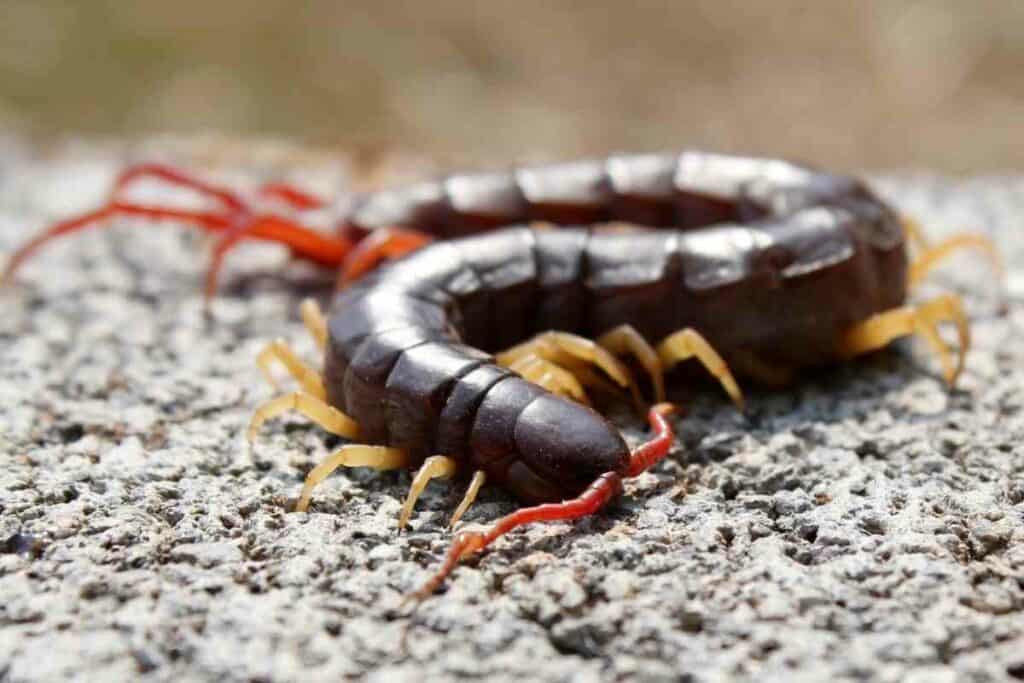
604, 489
381, 244
292, 196
234, 219
225, 197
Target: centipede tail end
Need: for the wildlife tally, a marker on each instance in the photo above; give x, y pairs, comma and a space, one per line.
385, 243
233, 220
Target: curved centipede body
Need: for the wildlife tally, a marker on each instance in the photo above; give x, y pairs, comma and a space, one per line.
762, 266
742, 230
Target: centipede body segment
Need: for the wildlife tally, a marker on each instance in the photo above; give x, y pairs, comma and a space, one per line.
469, 352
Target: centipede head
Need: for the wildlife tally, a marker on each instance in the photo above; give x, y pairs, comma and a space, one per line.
563, 447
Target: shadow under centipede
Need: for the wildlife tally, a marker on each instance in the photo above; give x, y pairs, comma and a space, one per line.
841, 392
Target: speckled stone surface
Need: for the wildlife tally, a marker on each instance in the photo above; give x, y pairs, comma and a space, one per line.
867, 525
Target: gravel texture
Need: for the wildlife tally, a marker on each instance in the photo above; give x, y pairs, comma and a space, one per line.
866, 525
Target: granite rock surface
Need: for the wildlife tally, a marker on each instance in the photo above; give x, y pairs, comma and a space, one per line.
867, 525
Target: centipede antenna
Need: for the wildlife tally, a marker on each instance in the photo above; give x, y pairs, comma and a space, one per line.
603, 489
649, 453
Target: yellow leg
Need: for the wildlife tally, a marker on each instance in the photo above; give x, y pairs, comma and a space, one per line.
688, 343
922, 319
377, 457
912, 229
559, 347
479, 477
313, 407
313, 318
589, 378
625, 339
306, 376
550, 376
434, 467
932, 256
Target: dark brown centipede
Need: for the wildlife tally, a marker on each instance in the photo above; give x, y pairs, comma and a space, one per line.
763, 266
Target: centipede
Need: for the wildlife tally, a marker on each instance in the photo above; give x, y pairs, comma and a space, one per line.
476, 315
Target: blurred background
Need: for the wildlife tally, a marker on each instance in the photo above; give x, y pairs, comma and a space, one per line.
876, 84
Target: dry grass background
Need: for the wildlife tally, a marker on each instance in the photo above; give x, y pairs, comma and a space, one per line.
877, 84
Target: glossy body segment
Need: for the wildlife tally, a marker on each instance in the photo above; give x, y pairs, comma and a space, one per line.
680, 190
748, 224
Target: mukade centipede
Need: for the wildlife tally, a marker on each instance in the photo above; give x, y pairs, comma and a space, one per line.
475, 347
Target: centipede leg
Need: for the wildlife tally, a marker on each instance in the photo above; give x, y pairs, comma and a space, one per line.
352, 455
386, 243
208, 221
922, 319
312, 400
304, 243
589, 378
565, 349
475, 484
315, 408
931, 256
434, 467
295, 198
625, 339
689, 343
552, 377
278, 350
173, 176
914, 233
603, 489
313, 319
